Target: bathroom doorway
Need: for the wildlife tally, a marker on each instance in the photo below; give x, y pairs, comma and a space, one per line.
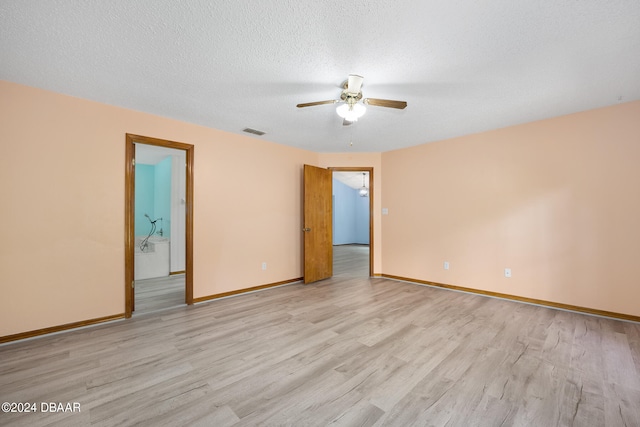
158, 265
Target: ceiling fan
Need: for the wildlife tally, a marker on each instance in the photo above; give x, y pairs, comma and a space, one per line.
351, 109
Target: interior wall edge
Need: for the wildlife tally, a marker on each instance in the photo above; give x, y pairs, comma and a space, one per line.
516, 298
59, 328
247, 290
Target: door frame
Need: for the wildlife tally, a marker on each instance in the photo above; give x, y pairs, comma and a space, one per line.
370, 170
129, 215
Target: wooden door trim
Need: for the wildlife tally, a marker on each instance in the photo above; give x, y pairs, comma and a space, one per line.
129, 219
370, 170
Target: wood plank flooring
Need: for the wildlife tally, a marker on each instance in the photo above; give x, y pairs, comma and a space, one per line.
159, 293
351, 261
167, 292
344, 351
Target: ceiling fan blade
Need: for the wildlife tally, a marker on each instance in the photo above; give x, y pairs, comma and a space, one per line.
311, 104
346, 122
386, 103
354, 84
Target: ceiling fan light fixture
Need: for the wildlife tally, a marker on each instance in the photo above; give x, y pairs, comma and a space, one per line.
351, 112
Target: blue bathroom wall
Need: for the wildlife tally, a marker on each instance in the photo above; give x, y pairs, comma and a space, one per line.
162, 196
145, 183
350, 215
153, 197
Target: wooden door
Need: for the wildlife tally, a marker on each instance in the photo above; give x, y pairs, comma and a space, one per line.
317, 228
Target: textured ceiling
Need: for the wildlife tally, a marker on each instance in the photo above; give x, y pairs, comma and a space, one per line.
463, 66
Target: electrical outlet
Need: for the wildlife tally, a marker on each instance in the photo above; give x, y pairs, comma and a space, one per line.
264, 265
507, 272
446, 265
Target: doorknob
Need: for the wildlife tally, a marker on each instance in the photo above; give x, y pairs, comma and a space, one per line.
306, 230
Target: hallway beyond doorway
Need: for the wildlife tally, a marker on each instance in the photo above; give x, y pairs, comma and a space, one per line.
159, 293
351, 260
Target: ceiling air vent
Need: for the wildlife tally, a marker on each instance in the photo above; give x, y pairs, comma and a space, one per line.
253, 131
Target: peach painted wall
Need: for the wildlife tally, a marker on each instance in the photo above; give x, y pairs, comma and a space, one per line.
62, 191
373, 160
557, 201
554, 200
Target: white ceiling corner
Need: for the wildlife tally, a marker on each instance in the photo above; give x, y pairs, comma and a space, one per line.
153, 154
463, 66
352, 179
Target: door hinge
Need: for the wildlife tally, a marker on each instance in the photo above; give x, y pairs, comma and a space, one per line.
133, 162
133, 284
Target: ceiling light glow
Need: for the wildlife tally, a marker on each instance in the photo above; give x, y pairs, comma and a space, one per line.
351, 112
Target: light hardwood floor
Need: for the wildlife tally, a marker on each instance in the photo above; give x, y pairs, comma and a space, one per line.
167, 292
351, 261
344, 351
159, 293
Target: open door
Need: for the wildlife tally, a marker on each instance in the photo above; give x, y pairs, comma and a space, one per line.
318, 234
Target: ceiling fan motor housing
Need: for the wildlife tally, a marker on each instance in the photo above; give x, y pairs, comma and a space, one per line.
350, 98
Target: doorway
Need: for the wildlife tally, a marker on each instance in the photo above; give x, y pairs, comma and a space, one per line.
154, 245
318, 257
352, 221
